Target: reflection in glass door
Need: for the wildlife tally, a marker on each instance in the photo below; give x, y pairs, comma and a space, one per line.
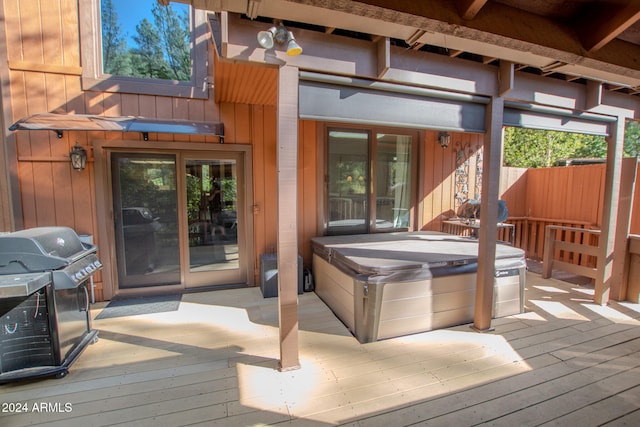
348, 181
369, 181
145, 219
212, 197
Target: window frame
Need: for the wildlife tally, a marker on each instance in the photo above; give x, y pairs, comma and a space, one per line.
94, 79
372, 131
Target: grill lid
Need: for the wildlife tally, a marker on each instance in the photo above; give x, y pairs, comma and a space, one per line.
41, 249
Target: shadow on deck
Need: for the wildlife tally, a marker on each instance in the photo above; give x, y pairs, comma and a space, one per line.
212, 361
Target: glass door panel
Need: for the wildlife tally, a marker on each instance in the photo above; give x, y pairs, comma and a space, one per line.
212, 214
145, 219
214, 220
393, 181
348, 182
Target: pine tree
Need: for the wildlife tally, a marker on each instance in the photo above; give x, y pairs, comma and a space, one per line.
174, 34
147, 58
114, 45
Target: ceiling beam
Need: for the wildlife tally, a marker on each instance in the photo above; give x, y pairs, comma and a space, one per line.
468, 9
253, 8
603, 22
498, 31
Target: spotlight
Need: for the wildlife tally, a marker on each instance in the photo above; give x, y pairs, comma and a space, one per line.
280, 35
293, 48
265, 38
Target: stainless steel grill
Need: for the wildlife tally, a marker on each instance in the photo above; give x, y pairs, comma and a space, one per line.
45, 320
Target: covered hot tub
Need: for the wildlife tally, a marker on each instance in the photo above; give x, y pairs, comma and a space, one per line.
387, 285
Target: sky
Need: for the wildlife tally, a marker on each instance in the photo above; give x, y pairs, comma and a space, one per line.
131, 12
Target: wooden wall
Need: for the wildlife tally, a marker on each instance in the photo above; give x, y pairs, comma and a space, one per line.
44, 70
438, 178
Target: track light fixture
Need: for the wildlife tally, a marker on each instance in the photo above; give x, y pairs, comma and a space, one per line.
280, 35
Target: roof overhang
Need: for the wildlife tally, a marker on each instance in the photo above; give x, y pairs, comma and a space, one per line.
502, 30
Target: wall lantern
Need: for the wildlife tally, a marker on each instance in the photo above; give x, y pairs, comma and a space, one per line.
78, 157
444, 139
280, 35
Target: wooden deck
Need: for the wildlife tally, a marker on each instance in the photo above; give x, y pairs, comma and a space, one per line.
566, 361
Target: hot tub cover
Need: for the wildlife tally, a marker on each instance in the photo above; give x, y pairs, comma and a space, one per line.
407, 256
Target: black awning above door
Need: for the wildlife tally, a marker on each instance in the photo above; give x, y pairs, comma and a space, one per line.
532, 116
354, 100
84, 122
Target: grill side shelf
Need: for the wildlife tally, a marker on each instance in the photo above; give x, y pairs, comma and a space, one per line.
23, 285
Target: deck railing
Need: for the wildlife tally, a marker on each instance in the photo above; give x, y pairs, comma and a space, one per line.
530, 236
570, 249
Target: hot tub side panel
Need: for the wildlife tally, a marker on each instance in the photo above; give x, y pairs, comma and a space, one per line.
375, 311
336, 289
508, 291
411, 307
409, 283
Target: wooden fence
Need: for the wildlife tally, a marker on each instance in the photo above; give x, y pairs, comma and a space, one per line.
569, 196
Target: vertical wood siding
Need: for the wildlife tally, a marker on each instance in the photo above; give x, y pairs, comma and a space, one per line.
438, 176
45, 34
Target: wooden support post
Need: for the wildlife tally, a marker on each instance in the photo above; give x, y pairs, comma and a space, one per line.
627, 189
487, 235
287, 165
506, 77
594, 94
548, 250
384, 56
606, 245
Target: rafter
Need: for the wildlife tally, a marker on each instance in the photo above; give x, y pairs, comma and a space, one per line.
602, 23
413, 38
468, 9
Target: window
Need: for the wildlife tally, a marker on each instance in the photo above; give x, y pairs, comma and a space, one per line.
370, 181
144, 48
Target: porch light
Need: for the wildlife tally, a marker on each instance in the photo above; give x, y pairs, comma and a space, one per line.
78, 157
280, 35
444, 139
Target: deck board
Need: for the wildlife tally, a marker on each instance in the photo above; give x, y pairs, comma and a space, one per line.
565, 361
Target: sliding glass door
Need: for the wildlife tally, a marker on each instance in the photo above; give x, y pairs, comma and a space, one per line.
179, 219
370, 181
